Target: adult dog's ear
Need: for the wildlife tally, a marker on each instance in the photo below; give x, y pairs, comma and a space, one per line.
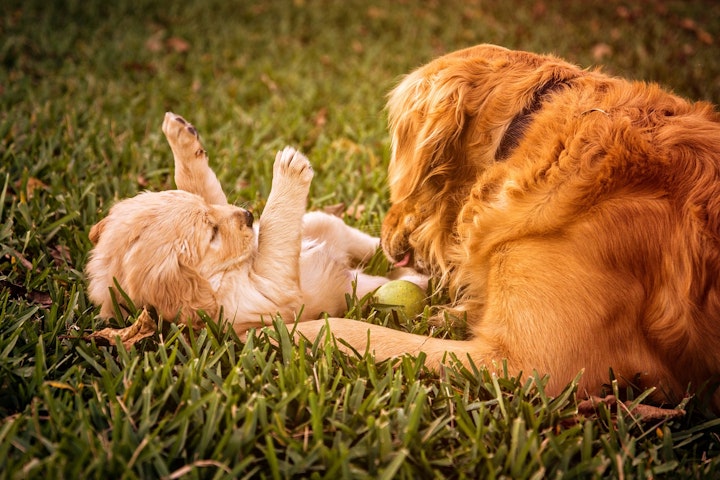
448, 118
96, 230
428, 113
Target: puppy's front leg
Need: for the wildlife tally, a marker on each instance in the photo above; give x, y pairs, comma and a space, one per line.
280, 235
192, 171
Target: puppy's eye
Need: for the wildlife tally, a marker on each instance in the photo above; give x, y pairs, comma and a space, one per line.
215, 230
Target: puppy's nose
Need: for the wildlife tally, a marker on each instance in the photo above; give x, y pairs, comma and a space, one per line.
246, 217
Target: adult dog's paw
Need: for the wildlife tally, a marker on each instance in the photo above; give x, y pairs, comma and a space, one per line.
291, 165
182, 136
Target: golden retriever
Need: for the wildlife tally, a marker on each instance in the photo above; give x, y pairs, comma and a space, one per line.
574, 217
185, 251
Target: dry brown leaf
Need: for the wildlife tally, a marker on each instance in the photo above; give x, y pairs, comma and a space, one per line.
321, 117
34, 296
539, 10
155, 42
143, 327
646, 413
376, 13
268, 82
336, 209
355, 211
601, 51
587, 407
623, 12
688, 24
704, 36
16, 256
41, 298
30, 187
177, 44
142, 181
61, 254
140, 67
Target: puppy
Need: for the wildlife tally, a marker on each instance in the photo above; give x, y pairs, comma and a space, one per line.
574, 217
185, 251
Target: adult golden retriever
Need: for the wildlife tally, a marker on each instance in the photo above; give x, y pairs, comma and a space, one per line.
575, 218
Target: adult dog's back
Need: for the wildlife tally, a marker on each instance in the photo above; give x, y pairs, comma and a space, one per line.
574, 216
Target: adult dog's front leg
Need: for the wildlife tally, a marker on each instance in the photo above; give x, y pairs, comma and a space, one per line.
192, 171
280, 235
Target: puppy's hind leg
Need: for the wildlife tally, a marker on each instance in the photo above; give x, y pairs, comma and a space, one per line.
192, 171
344, 241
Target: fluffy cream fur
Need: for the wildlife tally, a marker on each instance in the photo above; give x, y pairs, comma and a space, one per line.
187, 250
575, 218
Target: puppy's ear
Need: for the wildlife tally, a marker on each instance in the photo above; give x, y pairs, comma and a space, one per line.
97, 230
175, 289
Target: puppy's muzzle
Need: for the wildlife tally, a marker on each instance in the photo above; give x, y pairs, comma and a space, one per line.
245, 217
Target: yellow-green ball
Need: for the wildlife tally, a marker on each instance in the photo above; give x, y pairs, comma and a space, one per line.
402, 296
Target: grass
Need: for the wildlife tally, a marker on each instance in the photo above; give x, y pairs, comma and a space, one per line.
83, 90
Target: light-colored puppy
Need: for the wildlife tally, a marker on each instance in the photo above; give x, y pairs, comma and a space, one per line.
185, 251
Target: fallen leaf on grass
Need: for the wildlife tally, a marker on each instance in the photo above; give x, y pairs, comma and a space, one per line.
376, 13
601, 51
337, 209
139, 67
14, 256
645, 413
40, 298
177, 44
355, 211
702, 35
143, 327
34, 296
155, 42
321, 117
30, 187
648, 413
61, 255
268, 82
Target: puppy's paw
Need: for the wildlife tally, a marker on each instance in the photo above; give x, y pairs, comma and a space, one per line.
182, 137
291, 165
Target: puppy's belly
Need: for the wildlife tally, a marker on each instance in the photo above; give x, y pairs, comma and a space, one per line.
324, 281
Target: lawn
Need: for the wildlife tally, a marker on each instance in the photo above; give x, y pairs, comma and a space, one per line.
84, 86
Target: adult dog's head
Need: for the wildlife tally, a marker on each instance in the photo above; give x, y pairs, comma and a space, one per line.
168, 250
449, 120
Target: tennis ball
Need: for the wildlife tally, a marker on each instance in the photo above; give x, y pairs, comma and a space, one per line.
402, 296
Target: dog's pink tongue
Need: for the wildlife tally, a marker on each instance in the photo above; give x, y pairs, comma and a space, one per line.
404, 262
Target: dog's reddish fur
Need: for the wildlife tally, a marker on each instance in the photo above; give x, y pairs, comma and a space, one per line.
594, 245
